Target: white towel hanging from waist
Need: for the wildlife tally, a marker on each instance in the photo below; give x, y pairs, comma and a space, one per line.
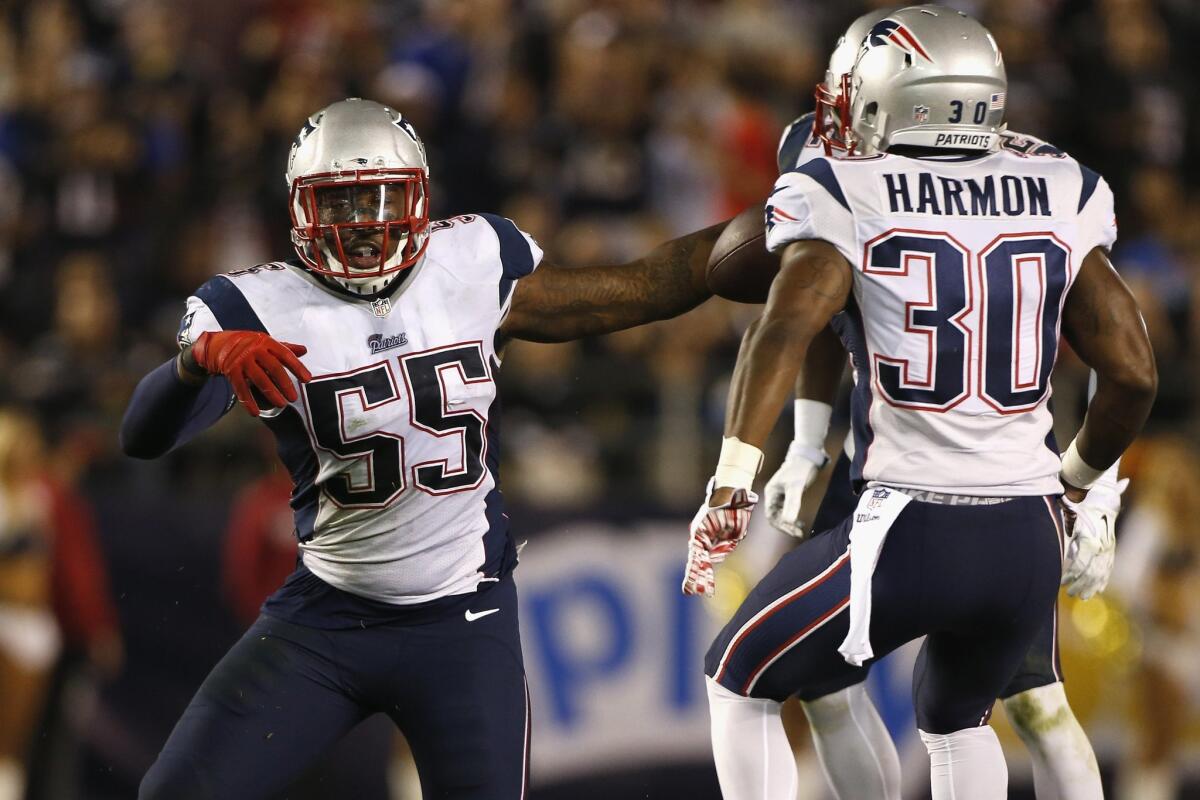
877, 509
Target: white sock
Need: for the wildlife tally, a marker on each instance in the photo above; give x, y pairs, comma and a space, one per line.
12, 780
857, 753
1064, 766
966, 765
754, 760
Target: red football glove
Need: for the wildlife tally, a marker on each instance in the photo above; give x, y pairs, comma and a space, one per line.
714, 533
252, 360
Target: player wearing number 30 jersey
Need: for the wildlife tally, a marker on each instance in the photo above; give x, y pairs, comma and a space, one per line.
948, 265
964, 264
373, 361
857, 754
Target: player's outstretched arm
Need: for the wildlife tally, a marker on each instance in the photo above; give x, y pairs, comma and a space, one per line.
1102, 322
558, 304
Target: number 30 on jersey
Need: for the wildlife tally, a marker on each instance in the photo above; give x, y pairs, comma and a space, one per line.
1022, 280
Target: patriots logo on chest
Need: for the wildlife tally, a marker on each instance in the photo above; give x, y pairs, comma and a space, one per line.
377, 342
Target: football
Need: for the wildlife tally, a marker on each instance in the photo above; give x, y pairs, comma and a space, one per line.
740, 268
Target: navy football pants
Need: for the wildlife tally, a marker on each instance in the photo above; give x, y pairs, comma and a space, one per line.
978, 581
286, 692
1042, 665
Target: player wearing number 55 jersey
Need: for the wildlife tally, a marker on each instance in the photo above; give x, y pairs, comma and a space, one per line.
948, 265
373, 360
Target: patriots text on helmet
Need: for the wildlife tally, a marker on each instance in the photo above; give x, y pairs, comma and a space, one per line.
970, 140
1006, 196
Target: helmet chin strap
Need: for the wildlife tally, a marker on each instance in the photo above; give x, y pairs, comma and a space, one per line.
366, 286
361, 287
378, 286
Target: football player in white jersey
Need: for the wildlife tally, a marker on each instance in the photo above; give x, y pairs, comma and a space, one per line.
948, 265
856, 752
373, 359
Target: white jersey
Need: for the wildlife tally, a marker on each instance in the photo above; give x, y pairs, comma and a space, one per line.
392, 444
961, 268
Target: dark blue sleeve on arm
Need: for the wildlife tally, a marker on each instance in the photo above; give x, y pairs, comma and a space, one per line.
795, 138
165, 412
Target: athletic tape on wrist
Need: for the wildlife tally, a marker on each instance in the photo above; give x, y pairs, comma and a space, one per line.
811, 422
1076, 471
738, 464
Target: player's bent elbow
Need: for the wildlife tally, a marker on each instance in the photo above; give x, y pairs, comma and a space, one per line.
139, 447
1146, 382
1138, 379
136, 440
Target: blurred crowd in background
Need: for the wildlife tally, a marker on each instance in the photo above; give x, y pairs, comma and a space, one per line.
142, 148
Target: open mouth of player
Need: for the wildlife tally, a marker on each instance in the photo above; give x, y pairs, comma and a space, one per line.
363, 255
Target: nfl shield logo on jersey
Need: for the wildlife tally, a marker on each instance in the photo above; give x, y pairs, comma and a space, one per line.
877, 497
920, 113
381, 307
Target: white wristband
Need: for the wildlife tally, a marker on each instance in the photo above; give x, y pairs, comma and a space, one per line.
812, 423
813, 455
1076, 471
738, 464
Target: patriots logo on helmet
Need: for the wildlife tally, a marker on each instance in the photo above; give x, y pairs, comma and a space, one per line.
403, 124
889, 31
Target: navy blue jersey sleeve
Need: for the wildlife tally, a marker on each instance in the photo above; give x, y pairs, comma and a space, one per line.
519, 253
165, 412
795, 136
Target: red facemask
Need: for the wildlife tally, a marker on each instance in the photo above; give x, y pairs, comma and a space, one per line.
363, 224
832, 121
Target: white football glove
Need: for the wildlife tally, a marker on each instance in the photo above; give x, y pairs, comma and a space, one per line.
1091, 548
784, 492
714, 533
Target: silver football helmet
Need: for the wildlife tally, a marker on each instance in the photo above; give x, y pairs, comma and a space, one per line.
841, 61
926, 76
359, 195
